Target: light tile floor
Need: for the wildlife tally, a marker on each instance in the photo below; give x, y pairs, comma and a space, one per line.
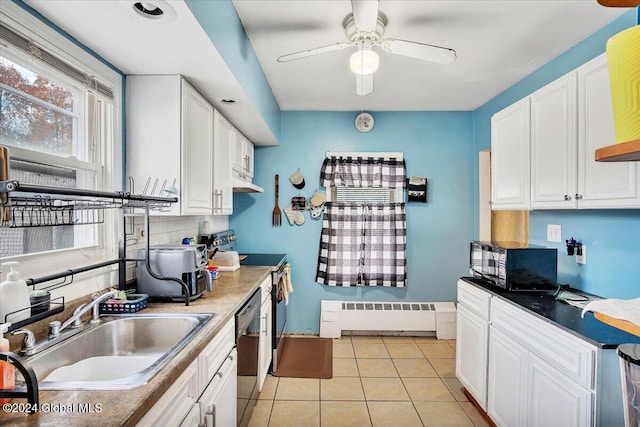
377, 381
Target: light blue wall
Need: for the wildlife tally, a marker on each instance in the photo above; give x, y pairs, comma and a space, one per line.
437, 145
612, 237
222, 24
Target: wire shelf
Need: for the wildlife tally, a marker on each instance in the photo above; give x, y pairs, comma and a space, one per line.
34, 206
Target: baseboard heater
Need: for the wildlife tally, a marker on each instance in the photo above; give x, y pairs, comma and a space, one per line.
402, 318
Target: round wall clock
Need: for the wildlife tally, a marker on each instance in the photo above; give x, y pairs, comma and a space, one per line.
364, 122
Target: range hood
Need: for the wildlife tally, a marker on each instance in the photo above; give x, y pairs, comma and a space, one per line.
240, 186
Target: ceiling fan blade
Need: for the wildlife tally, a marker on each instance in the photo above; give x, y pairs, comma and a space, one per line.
365, 14
425, 52
312, 52
364, 84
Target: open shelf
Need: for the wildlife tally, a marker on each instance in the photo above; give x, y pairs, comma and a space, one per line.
623, 152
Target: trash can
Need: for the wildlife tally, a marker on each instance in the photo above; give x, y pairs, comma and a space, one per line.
630, 377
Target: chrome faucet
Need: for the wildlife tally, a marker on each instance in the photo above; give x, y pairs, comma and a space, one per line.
75, 320
56, 329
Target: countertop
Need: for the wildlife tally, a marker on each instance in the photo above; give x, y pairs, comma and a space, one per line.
127, 407
543, 305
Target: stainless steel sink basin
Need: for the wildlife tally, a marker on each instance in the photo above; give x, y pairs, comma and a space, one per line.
122, 352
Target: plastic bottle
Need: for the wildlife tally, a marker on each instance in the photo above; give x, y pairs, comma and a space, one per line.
7, 371
14, 296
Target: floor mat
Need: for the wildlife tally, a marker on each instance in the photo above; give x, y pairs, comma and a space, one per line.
305, 358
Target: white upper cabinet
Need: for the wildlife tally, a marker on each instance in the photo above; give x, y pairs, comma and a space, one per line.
553, 144
601, 184
169, 142
243, 157
568, 120
510, 157
197, 152
222, 158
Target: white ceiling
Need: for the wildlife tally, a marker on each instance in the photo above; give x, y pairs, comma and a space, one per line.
136, 45
498, 43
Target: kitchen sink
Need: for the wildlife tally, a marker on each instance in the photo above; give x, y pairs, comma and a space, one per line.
122, 352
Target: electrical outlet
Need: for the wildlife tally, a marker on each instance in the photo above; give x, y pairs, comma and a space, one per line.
582, 259
554, 233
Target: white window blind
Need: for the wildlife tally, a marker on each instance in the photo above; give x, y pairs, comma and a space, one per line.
364, 195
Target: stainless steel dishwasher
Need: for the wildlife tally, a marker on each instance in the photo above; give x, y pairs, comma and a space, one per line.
247, 340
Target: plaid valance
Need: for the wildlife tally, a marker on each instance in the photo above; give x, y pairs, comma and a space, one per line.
363, 172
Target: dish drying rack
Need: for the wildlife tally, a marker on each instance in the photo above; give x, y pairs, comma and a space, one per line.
24, 206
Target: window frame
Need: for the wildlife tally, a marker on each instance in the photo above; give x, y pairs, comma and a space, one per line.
51, 39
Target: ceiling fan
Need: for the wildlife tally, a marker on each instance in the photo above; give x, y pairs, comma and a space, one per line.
364, 28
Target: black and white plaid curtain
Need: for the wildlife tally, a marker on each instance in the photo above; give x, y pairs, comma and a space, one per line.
363, 172
363, 244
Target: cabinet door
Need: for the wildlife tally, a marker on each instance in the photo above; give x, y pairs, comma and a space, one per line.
510, 187
554, 144
507, 388
249, 154
243, 157
555, 400
471, 353
219, 400
197, 143
175, 404
193, 417
153, 136
222, 158
264, 352
238, 151
601, 184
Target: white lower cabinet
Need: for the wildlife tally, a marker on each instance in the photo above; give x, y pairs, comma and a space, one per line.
554, 400
507, 380
471, 353
218, 402
538, 374
526, 371
206, 392
176, 403
265, 352
193, 417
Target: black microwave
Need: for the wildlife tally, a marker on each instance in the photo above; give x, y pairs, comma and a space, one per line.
515, 267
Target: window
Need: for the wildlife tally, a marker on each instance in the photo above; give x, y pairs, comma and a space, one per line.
363, 239
58, 118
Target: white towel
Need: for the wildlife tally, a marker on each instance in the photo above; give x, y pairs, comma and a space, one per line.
288, 287
628, 310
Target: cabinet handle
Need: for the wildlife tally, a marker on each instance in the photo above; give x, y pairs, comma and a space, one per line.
578, 196
567, 197
219, 373
231, 357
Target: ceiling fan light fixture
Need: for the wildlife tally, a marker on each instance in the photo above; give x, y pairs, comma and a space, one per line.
364, 61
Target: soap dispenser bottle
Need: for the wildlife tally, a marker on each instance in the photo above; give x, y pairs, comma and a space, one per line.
14, 296
7, 371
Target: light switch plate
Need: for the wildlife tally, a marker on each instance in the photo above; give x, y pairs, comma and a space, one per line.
554, 233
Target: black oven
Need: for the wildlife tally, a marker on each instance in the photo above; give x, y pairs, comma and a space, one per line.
247, 340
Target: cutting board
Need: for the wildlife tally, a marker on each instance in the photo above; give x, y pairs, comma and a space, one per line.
624, 325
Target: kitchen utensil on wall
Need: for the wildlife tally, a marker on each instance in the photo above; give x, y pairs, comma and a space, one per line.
276, 216
318, 198
299, 203
294, 216
297, 180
